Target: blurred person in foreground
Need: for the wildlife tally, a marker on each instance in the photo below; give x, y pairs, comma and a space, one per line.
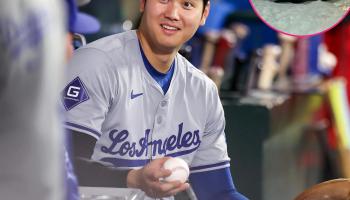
35, 46
32, 38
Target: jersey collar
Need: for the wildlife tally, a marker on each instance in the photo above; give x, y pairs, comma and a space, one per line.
150, 79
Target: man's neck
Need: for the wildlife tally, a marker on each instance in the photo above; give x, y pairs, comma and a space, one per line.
161, 60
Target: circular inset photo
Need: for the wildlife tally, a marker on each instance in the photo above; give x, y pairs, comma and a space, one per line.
301, 17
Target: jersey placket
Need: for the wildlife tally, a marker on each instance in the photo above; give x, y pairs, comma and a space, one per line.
159, 115
159, 125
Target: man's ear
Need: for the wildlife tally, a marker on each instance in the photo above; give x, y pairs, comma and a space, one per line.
142, 5
205, 13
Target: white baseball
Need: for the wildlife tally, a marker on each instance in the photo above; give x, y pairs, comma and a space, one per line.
179, 169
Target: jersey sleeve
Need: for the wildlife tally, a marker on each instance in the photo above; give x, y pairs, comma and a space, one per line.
89, 91
212, 152
216, 184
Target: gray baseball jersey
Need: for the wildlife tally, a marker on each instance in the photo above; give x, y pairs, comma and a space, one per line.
32, 38
111, 96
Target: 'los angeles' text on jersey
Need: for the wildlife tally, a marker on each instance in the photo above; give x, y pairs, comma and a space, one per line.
122, 146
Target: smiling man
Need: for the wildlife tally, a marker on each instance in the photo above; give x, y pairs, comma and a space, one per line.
133, 101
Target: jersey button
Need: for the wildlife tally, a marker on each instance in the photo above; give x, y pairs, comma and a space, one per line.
163, 103
159, 120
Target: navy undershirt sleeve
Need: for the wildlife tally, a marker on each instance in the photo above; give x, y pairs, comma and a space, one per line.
215, 184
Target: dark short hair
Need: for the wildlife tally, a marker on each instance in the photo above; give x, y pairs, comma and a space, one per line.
205, 2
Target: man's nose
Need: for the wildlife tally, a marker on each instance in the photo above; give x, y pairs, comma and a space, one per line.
172, 11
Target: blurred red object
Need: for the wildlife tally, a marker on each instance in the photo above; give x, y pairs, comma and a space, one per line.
337, 189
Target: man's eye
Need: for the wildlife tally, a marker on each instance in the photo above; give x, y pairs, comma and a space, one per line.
188, 5
163, 1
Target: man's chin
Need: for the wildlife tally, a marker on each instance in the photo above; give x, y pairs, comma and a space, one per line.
168, 47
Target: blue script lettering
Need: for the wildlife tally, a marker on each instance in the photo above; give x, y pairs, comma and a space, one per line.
143, 144
115, 138
186, 139
121, 146
196, 140
171, 144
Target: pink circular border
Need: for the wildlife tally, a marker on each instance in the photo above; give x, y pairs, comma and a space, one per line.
299, 36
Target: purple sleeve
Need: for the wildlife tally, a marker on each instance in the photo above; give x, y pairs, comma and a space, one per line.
215, 184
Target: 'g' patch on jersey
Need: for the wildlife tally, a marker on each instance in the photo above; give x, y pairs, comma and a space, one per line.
74, 94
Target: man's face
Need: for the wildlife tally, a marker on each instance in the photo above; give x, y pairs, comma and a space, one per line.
170, 23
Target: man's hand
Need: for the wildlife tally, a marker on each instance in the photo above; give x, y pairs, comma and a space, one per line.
148, 180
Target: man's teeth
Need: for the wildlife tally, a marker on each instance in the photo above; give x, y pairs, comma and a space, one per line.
169, 27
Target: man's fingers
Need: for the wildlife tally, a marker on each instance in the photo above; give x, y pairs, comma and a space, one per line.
162, 160
155, 170
161, 173
153, 184
157, 174
158, 163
